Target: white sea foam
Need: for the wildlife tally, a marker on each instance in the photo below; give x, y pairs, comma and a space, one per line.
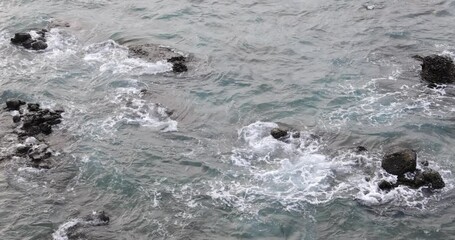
299, 172
62, 232
109, 56
129, 108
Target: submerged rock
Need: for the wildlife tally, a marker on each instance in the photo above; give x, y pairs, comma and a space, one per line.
400, 162
154, 53
360, 149
437, 69
97, 218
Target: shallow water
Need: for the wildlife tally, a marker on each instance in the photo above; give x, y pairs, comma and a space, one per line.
340, 72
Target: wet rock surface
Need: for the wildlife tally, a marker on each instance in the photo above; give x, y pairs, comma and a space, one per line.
33, 124
28, 41
284, 134
403, 164
400, 162
437, 69
154, 53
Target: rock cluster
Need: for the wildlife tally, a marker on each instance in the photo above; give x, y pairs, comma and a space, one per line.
27, 41
403, 163
33, 123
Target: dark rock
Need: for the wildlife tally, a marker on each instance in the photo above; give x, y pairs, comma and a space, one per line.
22, 149
429, 178
179, 67
46, 128
176, 59
360, 149
295, 134
401, 162
278, 133
14, 104
437, 69
28, 44
424, 163
433, 179
39, 45
16, 118
33, 107
386, 185
42, 33
20, 38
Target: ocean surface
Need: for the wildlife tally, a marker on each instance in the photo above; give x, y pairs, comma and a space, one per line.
340, 72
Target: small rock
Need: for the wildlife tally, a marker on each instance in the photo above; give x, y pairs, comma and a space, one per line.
278, 133
31, 141
16, 118
401, 162
433, 179
386, 185
360, 149
14, 104
424, 163
28, 44
22, 149
39, 45
33, 107
179, 67
176, 59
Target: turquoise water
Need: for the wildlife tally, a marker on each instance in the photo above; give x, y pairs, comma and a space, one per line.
338, 72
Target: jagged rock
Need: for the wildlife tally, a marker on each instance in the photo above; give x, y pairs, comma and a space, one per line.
386, 185
437, 69
39, 45
14, 104
20, 38
278, 133
400, 162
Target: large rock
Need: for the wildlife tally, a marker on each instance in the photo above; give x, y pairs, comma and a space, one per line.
437, 69
20, 38
400, 162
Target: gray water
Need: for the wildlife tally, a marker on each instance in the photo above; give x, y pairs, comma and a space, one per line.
338, 70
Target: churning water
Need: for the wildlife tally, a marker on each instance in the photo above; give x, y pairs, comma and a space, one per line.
340, 72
